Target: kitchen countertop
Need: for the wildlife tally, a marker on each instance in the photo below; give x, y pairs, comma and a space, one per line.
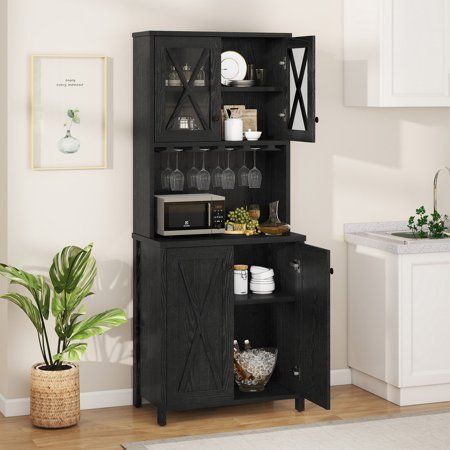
377, 235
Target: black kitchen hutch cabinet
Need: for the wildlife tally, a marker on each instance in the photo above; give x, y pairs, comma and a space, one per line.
185, 313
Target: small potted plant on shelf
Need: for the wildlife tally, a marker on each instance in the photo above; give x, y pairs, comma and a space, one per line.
55, 385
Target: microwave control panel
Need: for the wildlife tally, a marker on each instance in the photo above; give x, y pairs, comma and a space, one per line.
218, 214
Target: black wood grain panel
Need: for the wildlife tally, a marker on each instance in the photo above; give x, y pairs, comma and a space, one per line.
315, 324
199, 336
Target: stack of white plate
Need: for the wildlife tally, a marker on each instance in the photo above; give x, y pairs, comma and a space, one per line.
262, 280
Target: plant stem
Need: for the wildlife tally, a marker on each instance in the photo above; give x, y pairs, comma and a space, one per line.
42, 350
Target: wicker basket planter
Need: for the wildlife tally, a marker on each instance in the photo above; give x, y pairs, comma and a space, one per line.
55, 397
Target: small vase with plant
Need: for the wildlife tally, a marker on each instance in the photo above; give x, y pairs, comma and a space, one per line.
55, 393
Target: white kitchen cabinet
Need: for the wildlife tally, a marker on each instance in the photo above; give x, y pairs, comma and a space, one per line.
397, 53
398, 322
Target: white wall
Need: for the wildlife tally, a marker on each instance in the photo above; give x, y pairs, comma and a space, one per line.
3, 240
367, 164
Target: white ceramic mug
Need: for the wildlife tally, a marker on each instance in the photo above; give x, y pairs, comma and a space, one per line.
234, 129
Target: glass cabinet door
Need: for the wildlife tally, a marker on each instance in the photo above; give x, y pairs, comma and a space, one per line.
300, 119
187, 87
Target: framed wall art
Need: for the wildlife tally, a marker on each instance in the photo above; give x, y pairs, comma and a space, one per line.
68, 112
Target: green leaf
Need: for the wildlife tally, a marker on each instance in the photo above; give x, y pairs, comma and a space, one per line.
84, 286
57, 304
70, 113
17, 276
98, 324
25, 304
43, 296
68, 268
73, 352
76, 119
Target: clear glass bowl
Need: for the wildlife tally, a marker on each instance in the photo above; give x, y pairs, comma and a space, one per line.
253, 368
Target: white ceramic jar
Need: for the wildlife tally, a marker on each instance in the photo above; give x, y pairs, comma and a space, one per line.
234, 129
240, 279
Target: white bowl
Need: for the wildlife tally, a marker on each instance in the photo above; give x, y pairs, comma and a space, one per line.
252, 135
262, 288
268, 281
263, 276
258, 270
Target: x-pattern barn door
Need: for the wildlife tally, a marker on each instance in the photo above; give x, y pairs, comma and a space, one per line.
200, 313
187, 97
301, 119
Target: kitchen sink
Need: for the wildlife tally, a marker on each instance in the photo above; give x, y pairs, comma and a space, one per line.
405, 237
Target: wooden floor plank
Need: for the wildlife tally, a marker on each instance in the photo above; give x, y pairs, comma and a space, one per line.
106, 429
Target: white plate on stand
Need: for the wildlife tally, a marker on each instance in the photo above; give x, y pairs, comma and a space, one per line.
233, 67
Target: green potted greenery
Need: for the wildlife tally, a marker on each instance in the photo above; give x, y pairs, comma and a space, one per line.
55, 392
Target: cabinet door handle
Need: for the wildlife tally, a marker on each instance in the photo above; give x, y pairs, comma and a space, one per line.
296, 265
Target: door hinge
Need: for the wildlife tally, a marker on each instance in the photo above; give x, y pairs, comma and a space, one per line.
283, 114
296, 265
283, 63
296, 372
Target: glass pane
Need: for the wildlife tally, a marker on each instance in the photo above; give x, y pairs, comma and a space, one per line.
187, 112
298, 121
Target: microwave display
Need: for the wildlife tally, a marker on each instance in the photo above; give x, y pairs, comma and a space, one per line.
181, 216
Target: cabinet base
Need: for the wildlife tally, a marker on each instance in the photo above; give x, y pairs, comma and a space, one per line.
404, 396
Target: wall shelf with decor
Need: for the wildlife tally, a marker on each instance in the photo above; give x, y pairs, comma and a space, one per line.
183, 99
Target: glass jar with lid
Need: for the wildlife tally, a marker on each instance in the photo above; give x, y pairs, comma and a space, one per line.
173, 78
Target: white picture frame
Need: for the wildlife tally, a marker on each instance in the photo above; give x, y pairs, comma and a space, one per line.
68, 123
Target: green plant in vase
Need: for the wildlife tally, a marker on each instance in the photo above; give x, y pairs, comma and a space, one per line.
432, 226
72, 275
70, 144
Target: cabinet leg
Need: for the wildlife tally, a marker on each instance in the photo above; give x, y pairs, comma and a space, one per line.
137, 399
161, 417
300, 404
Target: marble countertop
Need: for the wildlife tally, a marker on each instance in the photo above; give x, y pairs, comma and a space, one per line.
377, 235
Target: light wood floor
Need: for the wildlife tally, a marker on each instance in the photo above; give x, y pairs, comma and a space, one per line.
107, 428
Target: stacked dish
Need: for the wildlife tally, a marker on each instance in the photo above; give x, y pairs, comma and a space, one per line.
262, 281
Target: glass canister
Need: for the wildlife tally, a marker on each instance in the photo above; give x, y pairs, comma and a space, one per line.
241, 279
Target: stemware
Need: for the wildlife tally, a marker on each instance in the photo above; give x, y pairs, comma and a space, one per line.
165, 176
228, 176
217, 174
192, 175
254, 175
203, 176
242, 174
177, 176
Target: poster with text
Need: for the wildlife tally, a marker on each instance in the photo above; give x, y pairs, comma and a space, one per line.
68, 112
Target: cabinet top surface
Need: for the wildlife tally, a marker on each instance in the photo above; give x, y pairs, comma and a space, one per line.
212, 34
219, 239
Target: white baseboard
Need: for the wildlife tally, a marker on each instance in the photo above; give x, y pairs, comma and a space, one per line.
119, 397
341, 376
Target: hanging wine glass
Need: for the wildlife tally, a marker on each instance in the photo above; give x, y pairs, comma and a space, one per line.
217, 173
254, 176
177, 176
242, 174
203, 176
192, 175
165, 176
228, 176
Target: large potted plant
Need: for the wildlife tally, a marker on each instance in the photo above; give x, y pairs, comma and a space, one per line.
55, 385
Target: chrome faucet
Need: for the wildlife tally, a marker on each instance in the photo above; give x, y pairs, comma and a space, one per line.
435, 186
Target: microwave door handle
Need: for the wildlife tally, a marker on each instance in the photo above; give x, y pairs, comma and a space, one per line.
209, 214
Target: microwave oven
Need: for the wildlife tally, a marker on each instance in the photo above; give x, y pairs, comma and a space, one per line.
188, 214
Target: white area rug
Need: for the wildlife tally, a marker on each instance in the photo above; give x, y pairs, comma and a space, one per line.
422, 431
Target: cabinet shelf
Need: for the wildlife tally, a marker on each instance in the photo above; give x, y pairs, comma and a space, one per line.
218, 239
263, 144
253, 89
273, 391
258, 299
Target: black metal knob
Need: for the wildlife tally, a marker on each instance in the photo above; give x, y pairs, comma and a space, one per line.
331, 271
316, 120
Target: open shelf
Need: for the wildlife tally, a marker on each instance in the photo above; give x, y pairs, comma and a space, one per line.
258, 299
273, 391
